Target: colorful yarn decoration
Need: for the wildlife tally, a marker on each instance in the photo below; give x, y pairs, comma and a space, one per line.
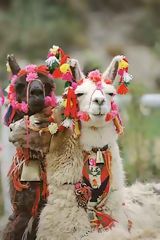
99, 219
58, 64
95, 76
31, 73
71, 104
83, 116
125, 77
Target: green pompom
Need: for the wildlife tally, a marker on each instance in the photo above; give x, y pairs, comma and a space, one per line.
67, 84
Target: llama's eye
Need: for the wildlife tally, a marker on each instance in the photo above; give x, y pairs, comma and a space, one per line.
111, 94
20, 87
79, 94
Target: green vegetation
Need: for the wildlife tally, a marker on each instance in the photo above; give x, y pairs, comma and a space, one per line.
140, 142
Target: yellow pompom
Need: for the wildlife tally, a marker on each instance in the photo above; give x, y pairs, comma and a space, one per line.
123, 64
64, 67
8, 67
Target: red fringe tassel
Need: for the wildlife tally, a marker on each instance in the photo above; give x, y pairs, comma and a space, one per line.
71, 107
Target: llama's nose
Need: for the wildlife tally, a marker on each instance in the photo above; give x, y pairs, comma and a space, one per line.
99, 101
36, 91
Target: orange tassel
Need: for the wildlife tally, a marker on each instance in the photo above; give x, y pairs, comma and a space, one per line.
17, 184
122, 89
19, 153
118, 126
36, 203
26, 154
14, 171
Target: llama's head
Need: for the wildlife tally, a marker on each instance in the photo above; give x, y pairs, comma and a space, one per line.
94, 98
31, 88
95, 95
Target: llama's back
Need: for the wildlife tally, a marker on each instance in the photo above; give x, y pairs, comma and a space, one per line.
143, 209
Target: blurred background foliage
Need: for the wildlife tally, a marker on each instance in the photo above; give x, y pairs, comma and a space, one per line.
94, 31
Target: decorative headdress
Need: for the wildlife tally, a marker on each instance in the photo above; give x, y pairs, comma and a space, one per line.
31, 73
61, 65
125, 77
58, 64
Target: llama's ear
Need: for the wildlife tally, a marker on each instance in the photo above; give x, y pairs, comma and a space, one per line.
112, 69
15, 68
76, 70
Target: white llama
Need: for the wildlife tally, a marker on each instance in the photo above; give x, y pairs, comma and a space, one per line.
62, 218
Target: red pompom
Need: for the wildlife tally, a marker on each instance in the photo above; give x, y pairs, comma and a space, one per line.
108, 117
57, 73
42, 69
108, 81
122, 89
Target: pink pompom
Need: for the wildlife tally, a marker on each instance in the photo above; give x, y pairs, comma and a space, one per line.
31, 76
50, 75
83, 116
50, 101
31, 68
95, 76
113, 113
74, 85
67, 77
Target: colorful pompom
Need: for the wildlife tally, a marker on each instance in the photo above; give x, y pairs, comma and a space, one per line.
95, 76
53, 128
122, 89
83, 116
64, 67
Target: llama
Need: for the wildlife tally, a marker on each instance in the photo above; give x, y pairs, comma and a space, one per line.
30, 91
62, 218
64, 167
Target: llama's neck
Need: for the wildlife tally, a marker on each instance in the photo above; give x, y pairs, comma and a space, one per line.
97, 137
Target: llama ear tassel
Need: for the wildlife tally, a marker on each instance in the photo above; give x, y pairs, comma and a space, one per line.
119, 66
125, 77
111, 71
